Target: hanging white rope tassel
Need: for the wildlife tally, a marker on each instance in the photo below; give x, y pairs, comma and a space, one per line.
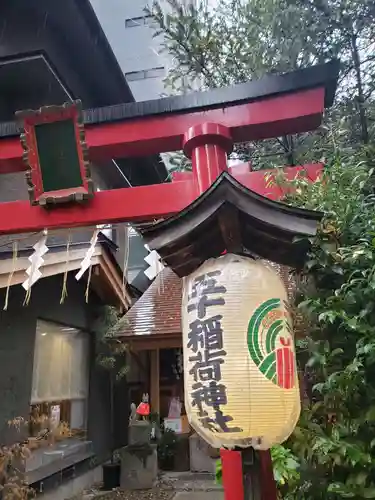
87, 292
126, 260
154, 261
87, 260
11, 274
37, 261
64, 291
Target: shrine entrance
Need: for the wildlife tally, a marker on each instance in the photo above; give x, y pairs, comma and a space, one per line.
152, 329
198, 216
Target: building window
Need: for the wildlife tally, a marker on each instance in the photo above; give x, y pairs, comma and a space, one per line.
59, 397
135, 22
134, 76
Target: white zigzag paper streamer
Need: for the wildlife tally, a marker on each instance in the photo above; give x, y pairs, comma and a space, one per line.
86, 262
154, 261
36, 261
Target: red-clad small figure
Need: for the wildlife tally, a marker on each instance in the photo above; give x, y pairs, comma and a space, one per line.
144, 408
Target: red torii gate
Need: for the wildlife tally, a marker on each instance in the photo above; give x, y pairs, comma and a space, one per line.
270, 107
205, 125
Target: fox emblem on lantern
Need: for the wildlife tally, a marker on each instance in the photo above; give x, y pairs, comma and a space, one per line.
241, 384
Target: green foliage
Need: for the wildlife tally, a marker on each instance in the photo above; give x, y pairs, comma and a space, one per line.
111, 351
218, 472
240, 40
285, 470
167, 445
178, 162
335, 437
332, 452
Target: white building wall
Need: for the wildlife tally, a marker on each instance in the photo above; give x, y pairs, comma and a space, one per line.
137, 51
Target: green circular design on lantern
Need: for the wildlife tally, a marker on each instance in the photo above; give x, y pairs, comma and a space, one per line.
261, 340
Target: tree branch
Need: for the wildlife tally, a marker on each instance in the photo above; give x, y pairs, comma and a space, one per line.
361, 97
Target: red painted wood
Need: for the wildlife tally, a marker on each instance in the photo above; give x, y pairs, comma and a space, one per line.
182, 176
140, 137
258, 180
232, 475
11, 155
107, 207
207, 145
52, 115
208, 163
285, 368
120, 205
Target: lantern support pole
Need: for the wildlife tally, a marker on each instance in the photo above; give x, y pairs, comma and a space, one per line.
251, 472
247, 475
207, 145
232, 474
155, 380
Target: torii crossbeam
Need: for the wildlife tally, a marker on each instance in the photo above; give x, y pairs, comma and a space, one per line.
270, 107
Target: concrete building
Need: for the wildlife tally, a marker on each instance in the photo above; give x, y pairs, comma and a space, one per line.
130, 32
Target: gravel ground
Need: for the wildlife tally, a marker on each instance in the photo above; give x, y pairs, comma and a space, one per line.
166, 487
154, 494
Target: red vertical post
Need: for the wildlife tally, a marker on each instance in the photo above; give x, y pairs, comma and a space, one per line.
207, 145
231, 462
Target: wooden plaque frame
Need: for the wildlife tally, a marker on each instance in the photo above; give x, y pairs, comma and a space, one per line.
29, 120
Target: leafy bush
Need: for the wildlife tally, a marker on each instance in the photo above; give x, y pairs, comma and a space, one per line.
334, 442
285, 470
218, 472
335, 438
167, 445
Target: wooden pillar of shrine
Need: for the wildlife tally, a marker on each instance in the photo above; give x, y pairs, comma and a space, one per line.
155, 381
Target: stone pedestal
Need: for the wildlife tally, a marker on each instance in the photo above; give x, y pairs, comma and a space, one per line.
139, 460
139, 433
182, 455
139, 467
200, 459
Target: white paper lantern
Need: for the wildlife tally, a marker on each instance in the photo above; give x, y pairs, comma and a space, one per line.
241, 384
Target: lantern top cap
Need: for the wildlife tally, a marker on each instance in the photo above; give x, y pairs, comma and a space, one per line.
322, 75
230, 217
